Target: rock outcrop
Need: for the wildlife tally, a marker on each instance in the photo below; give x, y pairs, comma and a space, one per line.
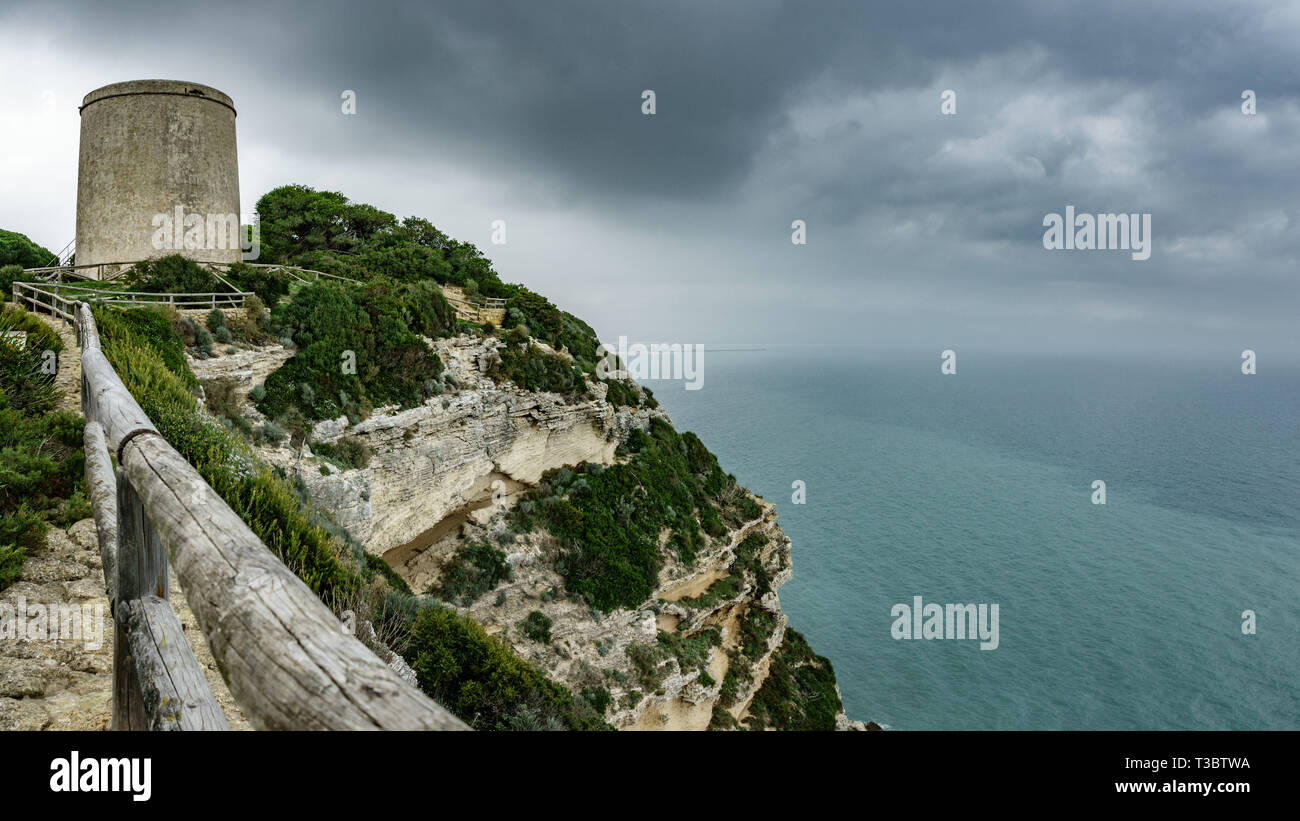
693, 655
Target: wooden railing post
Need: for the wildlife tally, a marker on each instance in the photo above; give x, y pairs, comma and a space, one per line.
133, 582
147, 574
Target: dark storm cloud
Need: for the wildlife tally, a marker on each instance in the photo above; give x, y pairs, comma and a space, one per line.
829, 112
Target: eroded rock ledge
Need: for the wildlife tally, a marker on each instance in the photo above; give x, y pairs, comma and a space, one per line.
693, 655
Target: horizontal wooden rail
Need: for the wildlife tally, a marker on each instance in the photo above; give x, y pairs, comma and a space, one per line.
55, 271
98, 267
294, 271
37, 297
47, 294
286, 658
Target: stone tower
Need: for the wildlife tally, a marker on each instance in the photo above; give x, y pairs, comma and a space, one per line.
157, 174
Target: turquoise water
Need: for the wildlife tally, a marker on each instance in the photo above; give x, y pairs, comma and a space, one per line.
976, 488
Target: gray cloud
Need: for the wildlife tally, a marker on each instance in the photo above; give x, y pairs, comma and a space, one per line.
921, 226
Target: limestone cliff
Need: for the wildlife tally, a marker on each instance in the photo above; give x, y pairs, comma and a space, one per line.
447, 473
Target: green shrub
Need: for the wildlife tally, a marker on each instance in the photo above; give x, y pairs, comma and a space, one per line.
477, 569
216, 319
599, 699
253, 325
269, 434
204, 341
537, 626
799, 691
348, 451
611, 517
363, 343
173, 274
11, 564
692, 652
648, 665
9, 274
477, 677
270, 286
535, 369
721, 718
41, 455
222, 396
17, 249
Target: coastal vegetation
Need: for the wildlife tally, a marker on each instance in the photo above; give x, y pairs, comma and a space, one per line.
609, 518
41, 461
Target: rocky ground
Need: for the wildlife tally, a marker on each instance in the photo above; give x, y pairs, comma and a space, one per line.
67, 683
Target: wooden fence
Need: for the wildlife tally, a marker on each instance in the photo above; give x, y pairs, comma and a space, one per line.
40, 297
97, 271
285, 656
48, 295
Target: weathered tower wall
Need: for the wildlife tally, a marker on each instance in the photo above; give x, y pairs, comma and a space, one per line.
148, 148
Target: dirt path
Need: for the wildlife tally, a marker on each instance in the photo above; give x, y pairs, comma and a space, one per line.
50, 680
67, 380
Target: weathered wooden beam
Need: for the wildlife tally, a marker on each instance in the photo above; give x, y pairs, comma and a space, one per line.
111, 404
142, 568
101, 487
174, 694
141, 571
287, 660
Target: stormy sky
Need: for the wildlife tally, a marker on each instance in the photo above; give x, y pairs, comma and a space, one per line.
923, 229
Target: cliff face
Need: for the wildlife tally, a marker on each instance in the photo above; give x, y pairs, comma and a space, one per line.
446, 474
439, 461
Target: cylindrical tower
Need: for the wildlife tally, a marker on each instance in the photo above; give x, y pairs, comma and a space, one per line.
157, 174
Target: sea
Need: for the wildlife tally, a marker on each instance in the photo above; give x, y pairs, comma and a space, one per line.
1175, 605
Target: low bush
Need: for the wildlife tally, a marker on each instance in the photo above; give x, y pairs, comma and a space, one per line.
610, 517
270, 286
477, 569
537, 626
477, 677
347, 452
269, 434
533, 368
799, 691
173, 274
363, 344
254, 324
9, 274
222, 396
